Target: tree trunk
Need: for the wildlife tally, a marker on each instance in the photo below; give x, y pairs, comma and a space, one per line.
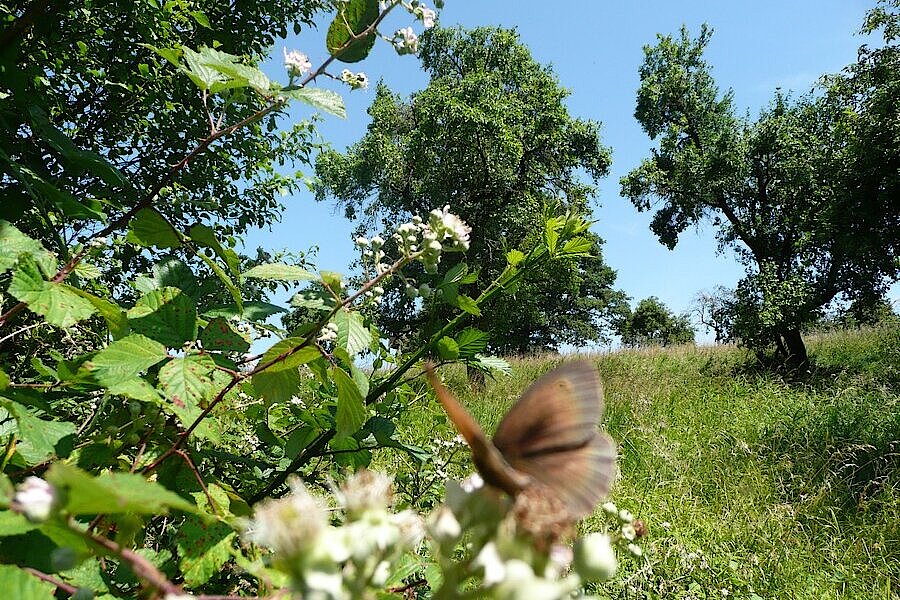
796, 349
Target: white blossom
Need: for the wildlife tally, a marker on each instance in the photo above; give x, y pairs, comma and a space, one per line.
594, 557
406, 41
36, 499
292, 525
426, 15
296, 63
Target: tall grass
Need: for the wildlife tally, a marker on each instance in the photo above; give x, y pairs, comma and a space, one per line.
753, 485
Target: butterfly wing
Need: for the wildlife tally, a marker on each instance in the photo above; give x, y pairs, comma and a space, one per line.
551, 435
490, 463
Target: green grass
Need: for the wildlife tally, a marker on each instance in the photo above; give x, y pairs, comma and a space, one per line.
752, 484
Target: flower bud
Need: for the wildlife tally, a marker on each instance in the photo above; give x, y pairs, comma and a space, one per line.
36, 499
594, 557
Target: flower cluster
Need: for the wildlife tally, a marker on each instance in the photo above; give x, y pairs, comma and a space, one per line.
356, 81
36, 499
337, 561
328, 333
629, 529
406, 41
509, 562
296, 63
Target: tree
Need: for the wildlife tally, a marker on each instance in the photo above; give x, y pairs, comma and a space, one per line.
491, 137
94, 115
653, 324
715, 311
805, 194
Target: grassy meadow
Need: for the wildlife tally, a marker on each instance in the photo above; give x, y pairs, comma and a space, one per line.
753, 484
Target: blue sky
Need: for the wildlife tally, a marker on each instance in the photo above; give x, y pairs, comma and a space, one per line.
595, 49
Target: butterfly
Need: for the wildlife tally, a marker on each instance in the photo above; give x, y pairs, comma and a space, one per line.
549, 438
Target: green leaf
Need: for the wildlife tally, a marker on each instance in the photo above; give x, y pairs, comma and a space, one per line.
167, 316
280, 272
468, 305
514, 257
205, 236
186, 381
201, 18
14, 243
352, 334
38, 439
252, 311
56, 302
113, 493
219, 335
493, 363
313, 299
168, 272
150, 228
125, 359
203, 76
551, 235
20, 585
114, 316
447, 348
203, 548
472, 341
279, 382
135, 388
351, 408
576, 247
322, 99
332, 279
13, 523
4, 380
352, 19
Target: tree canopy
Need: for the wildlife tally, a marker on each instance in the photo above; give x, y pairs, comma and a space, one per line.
489, 136
653, 324
805, 194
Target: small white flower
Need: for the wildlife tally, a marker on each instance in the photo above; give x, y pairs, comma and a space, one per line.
377, 241
346, 75
362, 81
610, 508
290, 525
296, 63
635, 550
625, 516
362, 242
594, 557
426, 15
411, 527
366, 490
444, 526
406, 41
629, 532
36, 499
494, 568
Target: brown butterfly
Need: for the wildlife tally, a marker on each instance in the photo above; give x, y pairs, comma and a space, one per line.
548, 438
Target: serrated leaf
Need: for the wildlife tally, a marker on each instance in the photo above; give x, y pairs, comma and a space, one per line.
135, 388
203, 548
576, 247
168, 272
186, 381
279, 382
322, 99
468, 305
352, 334
203, 76
113, 493
150, 228
115, 317
296, 358
514, 257
351, 408
493, 363
38, 439
20, 585
219, 335
280, 272
352, 19
447, 348
205, 236
125, 359
56, 302
314, 299
14, 243
167, 316
472, 341
252, 311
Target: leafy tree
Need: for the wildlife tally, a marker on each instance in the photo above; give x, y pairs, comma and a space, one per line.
805, 194
653, 324
490, 137
715, 311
